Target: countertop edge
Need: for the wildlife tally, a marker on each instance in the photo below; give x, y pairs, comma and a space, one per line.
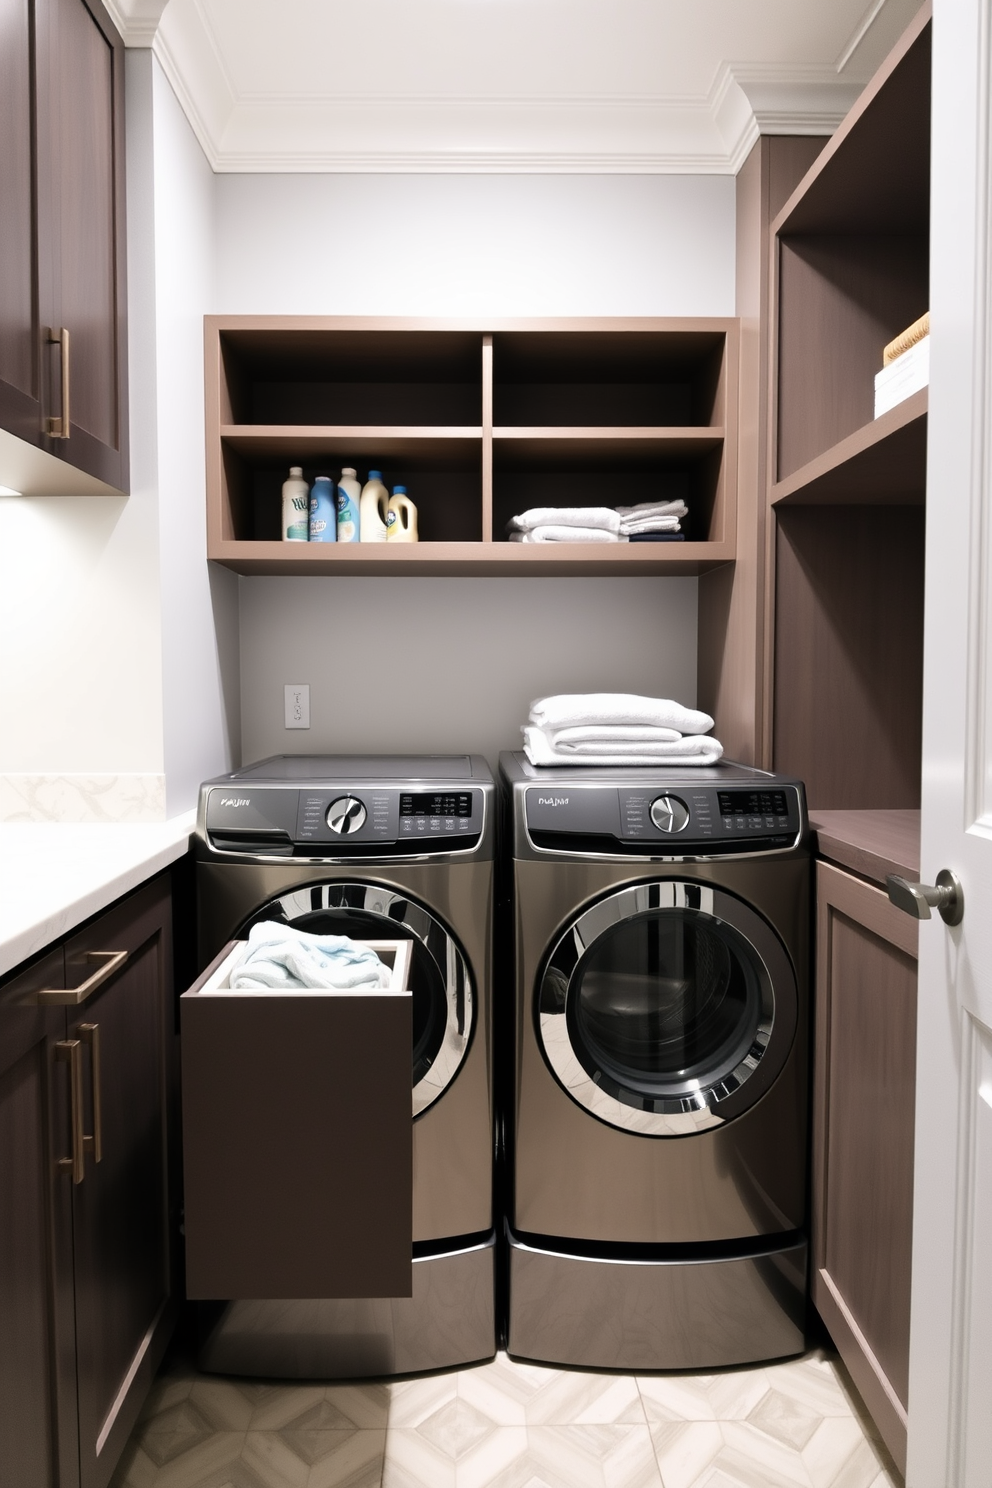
55, 876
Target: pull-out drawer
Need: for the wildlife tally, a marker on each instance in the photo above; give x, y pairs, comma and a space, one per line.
297, 1138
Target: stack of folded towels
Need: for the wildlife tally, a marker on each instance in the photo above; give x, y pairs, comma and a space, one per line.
279, 958
617, 728
649, 521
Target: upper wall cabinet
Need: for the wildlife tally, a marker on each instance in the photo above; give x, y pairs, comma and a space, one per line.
63, 370
480, 423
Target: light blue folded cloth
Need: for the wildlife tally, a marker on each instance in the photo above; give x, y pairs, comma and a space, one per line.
279, 958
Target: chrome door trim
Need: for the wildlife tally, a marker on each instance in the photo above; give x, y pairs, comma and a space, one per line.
698, 1107
441, 946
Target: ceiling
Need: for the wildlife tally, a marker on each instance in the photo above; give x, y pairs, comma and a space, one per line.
509, 85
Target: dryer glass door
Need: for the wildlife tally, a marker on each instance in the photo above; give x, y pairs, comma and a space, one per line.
443, 995
667, 1008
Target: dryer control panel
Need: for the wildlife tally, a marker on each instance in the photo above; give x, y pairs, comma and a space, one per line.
677, 819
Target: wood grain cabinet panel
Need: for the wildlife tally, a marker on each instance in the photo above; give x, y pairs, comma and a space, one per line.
864, 1105
20, 399
86, 1271
38, 1437
62, 245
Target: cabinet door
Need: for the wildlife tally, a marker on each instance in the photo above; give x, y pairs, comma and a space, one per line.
864, 1105
20, 399
81, 241
38, 1439
123, 1265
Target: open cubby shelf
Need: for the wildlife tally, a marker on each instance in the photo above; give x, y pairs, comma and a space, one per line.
480, 423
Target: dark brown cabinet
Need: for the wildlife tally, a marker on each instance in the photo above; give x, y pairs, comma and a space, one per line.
86, 1269
864, 1093
63, 369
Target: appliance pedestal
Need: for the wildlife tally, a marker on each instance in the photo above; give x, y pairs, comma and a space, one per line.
639, 1314
448, 1321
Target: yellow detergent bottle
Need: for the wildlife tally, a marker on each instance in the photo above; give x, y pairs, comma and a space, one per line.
373, 509
401, 518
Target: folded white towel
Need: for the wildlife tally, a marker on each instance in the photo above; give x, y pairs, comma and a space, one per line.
566, 516
675, 508
594, 737
651, 524
283, 959
694, 750
551, 534
578, 709
652, 516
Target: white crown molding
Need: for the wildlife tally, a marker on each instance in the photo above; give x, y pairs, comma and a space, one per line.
361, 133
796, 100
136, 20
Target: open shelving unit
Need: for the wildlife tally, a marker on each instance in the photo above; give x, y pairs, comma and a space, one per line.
479, 422
850, 269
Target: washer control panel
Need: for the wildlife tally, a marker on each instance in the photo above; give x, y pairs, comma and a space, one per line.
683, 818
407, 821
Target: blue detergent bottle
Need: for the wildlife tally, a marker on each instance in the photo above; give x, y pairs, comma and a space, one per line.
323, 511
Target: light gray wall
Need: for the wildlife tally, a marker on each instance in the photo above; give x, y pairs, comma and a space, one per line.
436, 665
475, 245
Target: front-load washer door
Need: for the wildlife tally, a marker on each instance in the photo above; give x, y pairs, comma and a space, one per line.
667, 1008
444, 999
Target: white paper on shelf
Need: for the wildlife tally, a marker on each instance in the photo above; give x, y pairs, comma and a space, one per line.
903, 377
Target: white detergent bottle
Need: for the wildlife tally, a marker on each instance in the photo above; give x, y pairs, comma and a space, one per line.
349, 501
373, 509
295, 507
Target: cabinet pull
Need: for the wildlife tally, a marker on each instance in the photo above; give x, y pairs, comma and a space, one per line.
69, 1051
58, 428
89, 1033
74, 996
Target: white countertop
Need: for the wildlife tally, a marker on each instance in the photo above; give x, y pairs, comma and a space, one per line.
55, 875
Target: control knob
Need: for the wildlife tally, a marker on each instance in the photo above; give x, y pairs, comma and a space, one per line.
669, 814
346, 815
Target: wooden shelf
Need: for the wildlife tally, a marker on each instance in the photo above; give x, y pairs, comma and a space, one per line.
454, 447
479, 559
874, 174
882, 463
650, 402
872, 843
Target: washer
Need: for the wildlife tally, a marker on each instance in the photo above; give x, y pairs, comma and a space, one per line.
380, 847
654, 1101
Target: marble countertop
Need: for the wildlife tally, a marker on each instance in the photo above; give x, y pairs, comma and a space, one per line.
53, 876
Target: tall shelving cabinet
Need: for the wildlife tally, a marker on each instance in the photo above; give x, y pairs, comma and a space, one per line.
845, 559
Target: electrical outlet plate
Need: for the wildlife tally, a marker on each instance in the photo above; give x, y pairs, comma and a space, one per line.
297, 704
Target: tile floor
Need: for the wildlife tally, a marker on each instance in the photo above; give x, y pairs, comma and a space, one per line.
510, 1425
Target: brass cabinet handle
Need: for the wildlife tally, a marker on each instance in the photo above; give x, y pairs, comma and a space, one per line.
58, 428
74, 996
89, 1033
69, 1051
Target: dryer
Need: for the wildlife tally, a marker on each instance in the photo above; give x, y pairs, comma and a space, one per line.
376, 847
655, 1099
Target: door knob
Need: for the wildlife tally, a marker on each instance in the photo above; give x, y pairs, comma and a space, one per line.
916, 899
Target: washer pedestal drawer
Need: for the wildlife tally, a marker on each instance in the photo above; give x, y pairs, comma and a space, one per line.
448, 1321
647, 1314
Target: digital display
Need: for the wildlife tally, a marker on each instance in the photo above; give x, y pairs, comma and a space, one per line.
753, 803
434, 803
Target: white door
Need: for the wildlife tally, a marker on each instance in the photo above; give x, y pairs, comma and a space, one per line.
950, 1387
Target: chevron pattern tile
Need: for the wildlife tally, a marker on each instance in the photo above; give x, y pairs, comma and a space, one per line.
510, 1425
